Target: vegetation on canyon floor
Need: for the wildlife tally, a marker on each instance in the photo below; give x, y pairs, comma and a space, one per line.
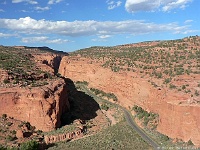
119, 136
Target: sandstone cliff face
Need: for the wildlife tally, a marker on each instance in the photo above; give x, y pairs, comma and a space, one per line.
48, 62
41, 106
177, 120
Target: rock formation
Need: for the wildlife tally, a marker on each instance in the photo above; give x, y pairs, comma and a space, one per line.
36, 97
41, 106
176, 120
63, 137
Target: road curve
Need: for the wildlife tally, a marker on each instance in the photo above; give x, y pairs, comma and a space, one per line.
132, 123
129, 120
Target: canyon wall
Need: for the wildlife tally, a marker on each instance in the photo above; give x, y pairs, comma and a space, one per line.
48, 62
177, 118
41, 106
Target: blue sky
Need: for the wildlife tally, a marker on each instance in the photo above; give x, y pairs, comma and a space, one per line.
70, 25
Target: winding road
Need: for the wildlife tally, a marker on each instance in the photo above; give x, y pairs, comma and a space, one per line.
129, 120
144, 136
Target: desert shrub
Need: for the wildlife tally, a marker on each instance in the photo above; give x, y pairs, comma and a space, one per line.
9, 123
13, 132
167, 80
2, 147
171, 86
104, 107
6, 81
143, 114
164, 137
58, 75
10, 138
135, 107
196, 93
189, 143
183, 87
4, 116
82, 82
111, 96
30, 145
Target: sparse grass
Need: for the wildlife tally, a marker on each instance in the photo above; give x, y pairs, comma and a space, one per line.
167, 143
64, 129
101, 93
82, 82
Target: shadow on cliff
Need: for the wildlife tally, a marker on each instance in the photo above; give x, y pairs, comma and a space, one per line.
82, 106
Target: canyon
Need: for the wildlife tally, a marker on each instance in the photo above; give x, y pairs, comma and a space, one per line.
39, 98
39, 93
178, 111
41, 106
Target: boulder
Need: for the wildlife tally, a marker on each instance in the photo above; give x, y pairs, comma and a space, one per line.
19, 134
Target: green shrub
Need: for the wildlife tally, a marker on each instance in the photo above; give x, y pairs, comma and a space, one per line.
6, 81
2, 148
190, 143
82, 82
104, 107
164, 137
167, 80
30, 145
10, 138
9, 123
171, 86
183, 87
196, 93
4, 116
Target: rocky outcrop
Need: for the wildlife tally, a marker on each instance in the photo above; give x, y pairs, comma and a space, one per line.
63, 137
3, 75
48, 62
178, 119
41, 106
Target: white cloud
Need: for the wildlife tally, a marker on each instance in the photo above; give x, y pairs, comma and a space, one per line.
54, 1
104, 36
188, 21
42, 8
3, 35
28, 1
43, 39
153, 5
28, 25
175, 4
113, 4
1, 10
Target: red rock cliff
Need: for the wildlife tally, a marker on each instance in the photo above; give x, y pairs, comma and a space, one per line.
41, 106
176, 120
